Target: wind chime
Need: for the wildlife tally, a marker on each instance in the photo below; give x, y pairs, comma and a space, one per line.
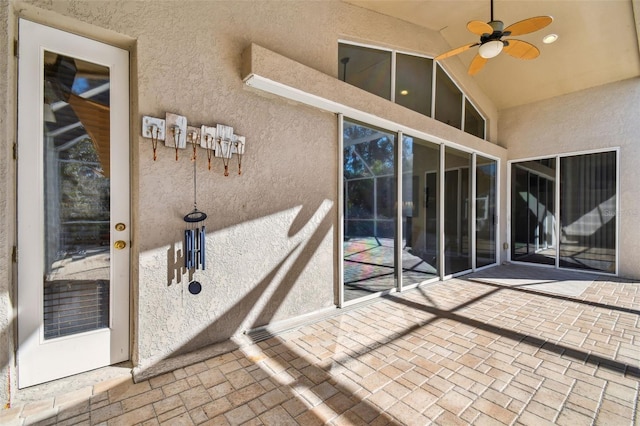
194, 235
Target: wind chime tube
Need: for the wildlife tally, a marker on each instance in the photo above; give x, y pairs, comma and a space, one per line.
189, 258
202, 247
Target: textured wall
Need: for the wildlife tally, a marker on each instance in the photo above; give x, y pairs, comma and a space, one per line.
605, 116
271, 231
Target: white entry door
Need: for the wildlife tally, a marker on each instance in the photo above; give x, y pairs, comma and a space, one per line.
73, 204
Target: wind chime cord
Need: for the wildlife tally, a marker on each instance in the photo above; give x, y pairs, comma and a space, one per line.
195, 203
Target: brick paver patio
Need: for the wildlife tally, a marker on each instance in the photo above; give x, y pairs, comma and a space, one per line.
454, 352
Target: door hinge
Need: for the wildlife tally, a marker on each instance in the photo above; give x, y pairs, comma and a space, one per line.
15, 47
14, 254
15, 151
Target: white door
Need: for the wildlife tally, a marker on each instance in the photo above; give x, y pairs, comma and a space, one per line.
73, 204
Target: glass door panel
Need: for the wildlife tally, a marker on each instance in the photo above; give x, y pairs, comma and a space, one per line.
77, 197
369, 218
420, 165
457, 211
486, 170
587, 212
533, 215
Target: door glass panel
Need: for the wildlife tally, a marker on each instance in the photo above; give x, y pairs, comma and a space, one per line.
369, 210
413, 82
76, 196
588, 212
366, 68
420, 165
533, 214
486, 170
457, 211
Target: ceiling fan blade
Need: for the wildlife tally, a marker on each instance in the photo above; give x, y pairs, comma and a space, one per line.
529, 25
477, 64
455, 51
521, 49
479, 27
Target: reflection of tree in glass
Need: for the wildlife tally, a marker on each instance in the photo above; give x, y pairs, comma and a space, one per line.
407, 154
85, 190
367, 151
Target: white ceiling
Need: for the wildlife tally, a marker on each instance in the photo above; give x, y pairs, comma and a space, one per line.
597, 44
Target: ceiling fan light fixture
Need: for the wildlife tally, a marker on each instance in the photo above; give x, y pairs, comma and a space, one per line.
490, 49
549, 38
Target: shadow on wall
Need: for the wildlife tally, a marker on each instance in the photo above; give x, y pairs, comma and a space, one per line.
235, 315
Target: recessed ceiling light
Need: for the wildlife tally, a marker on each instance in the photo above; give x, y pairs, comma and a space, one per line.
404, 92
550, 38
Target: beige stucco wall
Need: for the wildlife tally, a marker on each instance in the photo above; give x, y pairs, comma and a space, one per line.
602, 117
272, 231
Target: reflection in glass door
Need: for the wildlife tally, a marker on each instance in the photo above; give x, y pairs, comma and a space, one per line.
77, 198
369, 210
533, 215
457, 211
420, 165
588, 199
486, 184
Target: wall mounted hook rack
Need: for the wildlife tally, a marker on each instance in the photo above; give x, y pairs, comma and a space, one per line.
219, 140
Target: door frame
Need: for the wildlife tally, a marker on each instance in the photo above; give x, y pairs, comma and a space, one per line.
111, 344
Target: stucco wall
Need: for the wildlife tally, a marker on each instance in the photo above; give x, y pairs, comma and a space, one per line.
602, 117
271, 231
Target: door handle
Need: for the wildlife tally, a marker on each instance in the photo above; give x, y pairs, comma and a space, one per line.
119, 245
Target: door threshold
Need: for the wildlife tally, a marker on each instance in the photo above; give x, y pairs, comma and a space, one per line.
77, 382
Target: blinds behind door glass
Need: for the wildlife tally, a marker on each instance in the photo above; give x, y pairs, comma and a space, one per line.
75, 306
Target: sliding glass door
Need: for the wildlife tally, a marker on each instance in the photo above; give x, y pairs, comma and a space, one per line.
486, 210
408, 211
457, 211
588, 190
565, 217
420, 204
369, 181
533, 212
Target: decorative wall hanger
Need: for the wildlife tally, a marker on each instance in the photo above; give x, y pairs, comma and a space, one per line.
219, 141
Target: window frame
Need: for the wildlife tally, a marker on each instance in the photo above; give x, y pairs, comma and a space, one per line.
435, 65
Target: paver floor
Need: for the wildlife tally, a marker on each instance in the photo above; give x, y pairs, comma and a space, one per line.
454, 352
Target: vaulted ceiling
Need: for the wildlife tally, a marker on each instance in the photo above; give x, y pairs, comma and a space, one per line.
597, 42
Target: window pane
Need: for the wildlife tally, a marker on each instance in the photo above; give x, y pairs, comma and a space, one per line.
366, 68
421, 164
448, 100
473, 121
533, 212
457, 211
413, 82
369, 217
486, 170
587, 212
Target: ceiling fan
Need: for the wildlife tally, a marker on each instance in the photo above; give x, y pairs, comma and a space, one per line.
491, 43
